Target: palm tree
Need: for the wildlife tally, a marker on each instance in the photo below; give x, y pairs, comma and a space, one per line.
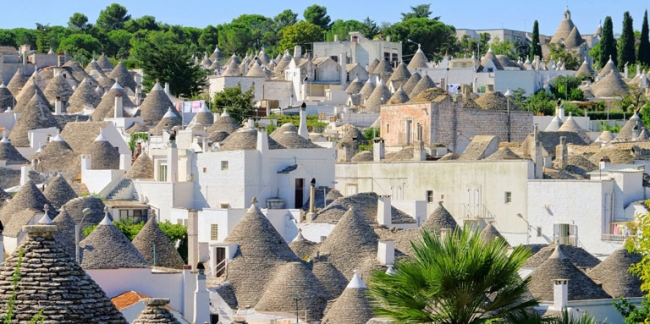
457, 279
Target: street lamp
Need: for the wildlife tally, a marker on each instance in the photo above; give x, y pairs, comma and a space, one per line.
508, 94
295, 299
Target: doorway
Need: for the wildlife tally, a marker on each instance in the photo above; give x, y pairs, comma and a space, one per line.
220, 257
299, 185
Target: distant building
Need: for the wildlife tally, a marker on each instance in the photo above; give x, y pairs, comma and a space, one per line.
360, 49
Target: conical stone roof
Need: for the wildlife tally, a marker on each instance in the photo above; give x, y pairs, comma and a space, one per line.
26, 95
104, 63
263, 57
400, 75
203, 118
563, 31
490, 233
27, 197
137, 128
585, 70
379, 96
282, 64
611, 85
108, 248
367, 89
293, 280
578, 256
82, 97
609, 67
614, 274
6, 98
490, 56
554, 125
9, 153
372, 66
419, 60
167, 123
75, 208
58, 87
558, 266
354, 87
398, 97
17, 82
503, 153
224, 123
76, 71
232, 69
352, 307
383, 70
58, 156
36, 114
142, 168
331, 278
66, 293
93, 66
156, 247
155, 312
574, 39
440, 219
104, 83
424, 84
350, 244
59, 192
302, 247
106, 107
632, 126
156, 105
122, 76
260, 249
65, 234
216, 55
410, 84
103, 155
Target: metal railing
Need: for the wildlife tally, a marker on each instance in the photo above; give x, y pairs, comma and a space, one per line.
615, 237
479, 211
214, 271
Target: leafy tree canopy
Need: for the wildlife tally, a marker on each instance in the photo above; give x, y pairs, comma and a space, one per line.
113, 17
299, 34
318, 16
419, 11
238, 103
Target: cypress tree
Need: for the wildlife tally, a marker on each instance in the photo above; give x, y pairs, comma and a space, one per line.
607, 43
535, 47
626, 43
644, 46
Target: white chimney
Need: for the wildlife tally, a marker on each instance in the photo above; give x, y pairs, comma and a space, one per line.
563, 154
172, 163
167, 88
378, 151
297, 51
189, 286
605, 163
125, 162
560, 294
201, 300
344, 71
539, 160
302, 129
336, 37
118, 106
57, 106
192, 237
386, 252
85, 162
262, 141
384, 216
24, 174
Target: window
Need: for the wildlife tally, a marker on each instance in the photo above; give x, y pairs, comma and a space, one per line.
429, 196
539, 231
224, 165
508, 197
490, 70
162, 173
135, 215
387, 128
214, 232
205, 170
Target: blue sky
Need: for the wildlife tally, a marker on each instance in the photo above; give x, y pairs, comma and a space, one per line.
473, 14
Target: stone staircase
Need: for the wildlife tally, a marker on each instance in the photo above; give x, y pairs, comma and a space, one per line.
125, 190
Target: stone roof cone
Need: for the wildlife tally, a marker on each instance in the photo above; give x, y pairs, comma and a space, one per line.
424, 84
122, 76
563, 31
156, 247
27, 197
167, 123
354, 87
26, 94
58, 87
65, 234
331, 278
398, 97
490, 233
260, 249
155, 311
36, 114
289, 280
76, 71
400, 75
352, 306
59, 192
368, 88
17, 82
6, 97
383, 70
106, 107
557, 266
372, 66
350, 243
142, 168
614, 275
93, 66
379, 96
224, 123
104, 63
440, 219
419, 60
411, 82
107, 248
9, 153
156, 105
609, 67
75, 298
82, 97
103, 155
216, 55
585, 70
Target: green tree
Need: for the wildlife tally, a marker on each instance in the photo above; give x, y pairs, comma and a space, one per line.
119, 44
570, 58
595, 53
419, 11
433, 35
300, 33
257, 27
238, 104
643, 55
318, 16
342, 28
607, 43
284, 19
42, 38
541, 102
81, 46
209, 38
143, 23
536, 47
504, 48
454, 273
565, 86
79, 22
25, 36
631, 313
369, 28
640, 243
169, 62
626, 43
234, 39
113, 17
7, 38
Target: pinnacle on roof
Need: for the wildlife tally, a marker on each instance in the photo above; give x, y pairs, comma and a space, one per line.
101, 137
356, 282
45, 220
107, 248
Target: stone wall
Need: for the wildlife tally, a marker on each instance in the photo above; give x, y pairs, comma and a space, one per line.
448, 123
